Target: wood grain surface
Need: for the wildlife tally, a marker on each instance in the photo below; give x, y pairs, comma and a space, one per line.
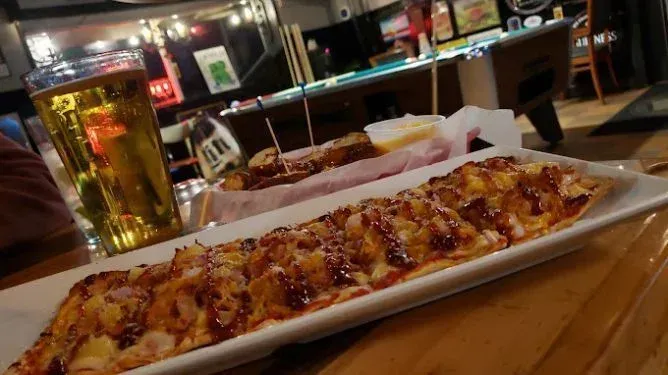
598, 310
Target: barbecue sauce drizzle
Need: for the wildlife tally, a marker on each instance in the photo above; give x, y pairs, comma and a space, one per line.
337, 265
221, 331
395, 254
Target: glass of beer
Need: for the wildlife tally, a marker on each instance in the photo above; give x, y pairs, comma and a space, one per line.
98, 113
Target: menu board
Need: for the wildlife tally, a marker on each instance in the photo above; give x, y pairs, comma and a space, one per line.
217, 70
475, 15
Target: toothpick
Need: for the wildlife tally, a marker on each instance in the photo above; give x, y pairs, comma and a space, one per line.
434, 63
273, 136
308, 116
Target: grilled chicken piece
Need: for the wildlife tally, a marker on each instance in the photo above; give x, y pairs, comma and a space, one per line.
348, 149
236, 181
266, 169
281, 179
266, 163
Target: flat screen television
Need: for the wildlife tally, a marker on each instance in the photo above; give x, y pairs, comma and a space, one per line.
475, 15
395, 27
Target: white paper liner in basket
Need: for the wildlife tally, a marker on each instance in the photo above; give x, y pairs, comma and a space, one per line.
496, 127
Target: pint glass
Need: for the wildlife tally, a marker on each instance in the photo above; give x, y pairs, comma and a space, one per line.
98, 113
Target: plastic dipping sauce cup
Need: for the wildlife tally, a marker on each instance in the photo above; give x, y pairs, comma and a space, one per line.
394, 134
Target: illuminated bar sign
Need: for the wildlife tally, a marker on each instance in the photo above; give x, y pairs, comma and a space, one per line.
162, 93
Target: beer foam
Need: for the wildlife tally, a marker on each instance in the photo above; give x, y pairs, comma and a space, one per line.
80, 84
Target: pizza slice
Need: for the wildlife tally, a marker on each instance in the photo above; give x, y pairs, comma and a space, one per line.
227, 288
294, 270
173, 315
519, 201
402, 238
65, 344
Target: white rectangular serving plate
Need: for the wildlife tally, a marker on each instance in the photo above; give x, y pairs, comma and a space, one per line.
26, 309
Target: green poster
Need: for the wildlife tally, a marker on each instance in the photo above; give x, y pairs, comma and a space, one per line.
217, 70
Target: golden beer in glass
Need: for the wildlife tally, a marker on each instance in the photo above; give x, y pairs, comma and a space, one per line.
100, 118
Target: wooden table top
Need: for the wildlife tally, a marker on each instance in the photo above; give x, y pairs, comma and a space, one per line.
601, 309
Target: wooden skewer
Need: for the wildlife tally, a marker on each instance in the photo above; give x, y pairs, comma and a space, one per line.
308, 116
273, 135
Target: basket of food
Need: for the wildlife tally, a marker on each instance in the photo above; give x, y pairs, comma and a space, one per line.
273, 179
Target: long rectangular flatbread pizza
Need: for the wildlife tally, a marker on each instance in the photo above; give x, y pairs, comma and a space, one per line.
115, 321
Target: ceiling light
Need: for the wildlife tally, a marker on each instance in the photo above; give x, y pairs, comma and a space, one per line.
133, 41
142, 21
248, 14
181, 29
147, 34
235, 20
175, 16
